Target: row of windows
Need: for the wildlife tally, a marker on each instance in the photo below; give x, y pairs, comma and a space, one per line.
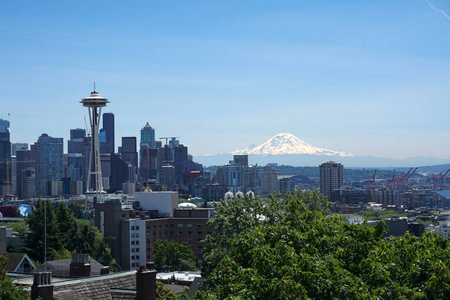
172, 233
134, 242
188, 239
134, 249
134, 257
179, 225
134, 227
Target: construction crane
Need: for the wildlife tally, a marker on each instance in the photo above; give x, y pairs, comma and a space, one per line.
438, 179
370, 182
401, 182
8, 162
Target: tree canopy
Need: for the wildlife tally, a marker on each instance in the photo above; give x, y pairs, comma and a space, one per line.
292, 248
173, 256
65, 235
8, 291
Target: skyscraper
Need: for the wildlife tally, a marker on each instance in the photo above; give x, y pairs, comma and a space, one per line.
107, 135
331, 177
77, 140
147, 143
49, 163
5, 157
23, 162
128, 153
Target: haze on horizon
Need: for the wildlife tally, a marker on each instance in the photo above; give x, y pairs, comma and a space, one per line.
369, 78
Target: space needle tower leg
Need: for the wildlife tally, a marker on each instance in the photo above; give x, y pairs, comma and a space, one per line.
94, 103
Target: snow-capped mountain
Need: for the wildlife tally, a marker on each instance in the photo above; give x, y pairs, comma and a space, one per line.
286, 143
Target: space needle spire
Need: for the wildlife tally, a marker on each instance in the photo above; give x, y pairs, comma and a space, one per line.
94, 103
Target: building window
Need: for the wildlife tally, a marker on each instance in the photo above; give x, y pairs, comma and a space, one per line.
180, 225
189, 225
137, 227
137, 242
137, 249
132, 242
137, 234
132, 227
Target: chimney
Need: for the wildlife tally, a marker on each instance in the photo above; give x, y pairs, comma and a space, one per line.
3, 239
80, 265
146, 282
42, 287
104, 270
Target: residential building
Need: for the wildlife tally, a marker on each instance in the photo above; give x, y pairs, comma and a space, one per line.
269, 181
331, 177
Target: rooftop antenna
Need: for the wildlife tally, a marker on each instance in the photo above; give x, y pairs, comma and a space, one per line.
94, 86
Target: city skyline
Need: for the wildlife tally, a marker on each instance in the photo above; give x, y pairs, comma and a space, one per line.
364, 78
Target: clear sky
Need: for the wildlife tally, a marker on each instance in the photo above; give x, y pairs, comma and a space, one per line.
365, 77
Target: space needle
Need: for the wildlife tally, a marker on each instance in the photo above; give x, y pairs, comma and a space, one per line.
94, 103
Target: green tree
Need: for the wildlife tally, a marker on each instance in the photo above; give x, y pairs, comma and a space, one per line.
163, 293
66, 224
77, 210
173, 256
65, 235
293, 249
8, 291
35, 236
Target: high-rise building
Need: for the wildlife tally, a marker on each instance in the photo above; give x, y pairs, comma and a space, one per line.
269, 181
107, 135
49, 163
5, 158
77, 140
287, 185
331, 177
23, 162
18, 146
241, 160
147, 143
128, 153
252, 179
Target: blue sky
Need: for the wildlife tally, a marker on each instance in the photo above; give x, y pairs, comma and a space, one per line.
365, 77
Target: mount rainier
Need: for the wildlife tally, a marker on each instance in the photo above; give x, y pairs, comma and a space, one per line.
286, 143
